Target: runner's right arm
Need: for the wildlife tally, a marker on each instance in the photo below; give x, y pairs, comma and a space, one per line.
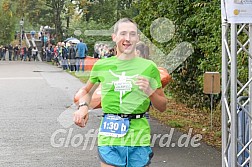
80, 116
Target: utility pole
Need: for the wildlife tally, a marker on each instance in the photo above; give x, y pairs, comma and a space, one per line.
21, 31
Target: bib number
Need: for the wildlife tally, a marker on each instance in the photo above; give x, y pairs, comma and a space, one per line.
114, 125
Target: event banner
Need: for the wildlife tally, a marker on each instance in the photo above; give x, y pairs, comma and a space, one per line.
237, 11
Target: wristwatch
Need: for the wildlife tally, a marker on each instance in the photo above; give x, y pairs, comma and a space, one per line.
82, 104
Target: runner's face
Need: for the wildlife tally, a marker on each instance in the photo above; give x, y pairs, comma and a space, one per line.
126, 38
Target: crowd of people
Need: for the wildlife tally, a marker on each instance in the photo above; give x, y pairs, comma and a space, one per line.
18, 53
103, 51
67, 55
70, 56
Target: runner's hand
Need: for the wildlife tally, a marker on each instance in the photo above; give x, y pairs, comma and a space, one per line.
80, 116
144, 85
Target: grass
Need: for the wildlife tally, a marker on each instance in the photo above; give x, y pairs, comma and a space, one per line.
175, 124
82, 76
183, 118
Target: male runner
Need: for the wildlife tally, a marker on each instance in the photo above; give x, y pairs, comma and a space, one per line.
129, 83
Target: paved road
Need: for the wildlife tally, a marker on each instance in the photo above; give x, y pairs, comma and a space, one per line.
36, 128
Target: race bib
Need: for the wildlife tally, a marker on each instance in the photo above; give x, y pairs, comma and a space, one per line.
114, 125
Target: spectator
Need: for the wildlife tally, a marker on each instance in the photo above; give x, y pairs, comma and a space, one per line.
23, 53
72, 54
1, 52
23, 33
142, 50
16, 53
29, 53
10, 49
39, 35
4, 49
96, 51
35, 53
81, 55
64, 56
111, 52
48, 53
56, 55
33, 34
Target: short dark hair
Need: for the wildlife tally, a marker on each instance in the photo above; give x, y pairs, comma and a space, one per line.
123, 20
143, 50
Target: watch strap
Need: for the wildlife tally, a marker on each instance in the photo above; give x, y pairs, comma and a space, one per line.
82, 104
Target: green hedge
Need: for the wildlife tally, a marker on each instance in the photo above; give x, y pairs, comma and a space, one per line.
196, 22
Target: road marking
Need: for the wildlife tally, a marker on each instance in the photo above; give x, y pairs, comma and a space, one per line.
20, 78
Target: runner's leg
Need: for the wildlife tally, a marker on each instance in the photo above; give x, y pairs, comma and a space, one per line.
105, 165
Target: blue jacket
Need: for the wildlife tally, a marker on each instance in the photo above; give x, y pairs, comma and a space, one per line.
81, 50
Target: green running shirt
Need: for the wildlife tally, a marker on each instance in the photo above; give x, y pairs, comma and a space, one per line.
121, 95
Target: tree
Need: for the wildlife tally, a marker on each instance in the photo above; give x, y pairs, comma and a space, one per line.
103, 11
53, 13
109, 11
7, 22
197, 22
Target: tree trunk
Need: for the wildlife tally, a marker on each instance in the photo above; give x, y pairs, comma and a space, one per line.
58, 24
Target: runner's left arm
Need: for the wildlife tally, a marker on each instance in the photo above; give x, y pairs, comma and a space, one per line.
157, 96
158, 99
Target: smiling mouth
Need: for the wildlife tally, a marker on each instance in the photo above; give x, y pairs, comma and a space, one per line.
127, 45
